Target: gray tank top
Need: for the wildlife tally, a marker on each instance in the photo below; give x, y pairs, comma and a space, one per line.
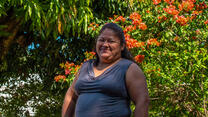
105, 95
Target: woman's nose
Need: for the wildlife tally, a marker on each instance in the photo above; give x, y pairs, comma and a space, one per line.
106, 42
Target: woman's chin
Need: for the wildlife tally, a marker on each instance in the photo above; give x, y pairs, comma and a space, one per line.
105, 56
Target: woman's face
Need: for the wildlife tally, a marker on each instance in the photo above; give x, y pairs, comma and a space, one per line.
108, 46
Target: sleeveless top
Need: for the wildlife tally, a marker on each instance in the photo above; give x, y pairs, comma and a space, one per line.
105, 95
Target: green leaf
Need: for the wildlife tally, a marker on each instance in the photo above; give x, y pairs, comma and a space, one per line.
85, 27
29, 11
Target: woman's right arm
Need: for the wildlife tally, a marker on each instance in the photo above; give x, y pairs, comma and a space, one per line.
70, 99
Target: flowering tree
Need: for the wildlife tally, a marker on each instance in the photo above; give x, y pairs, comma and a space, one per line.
169, 41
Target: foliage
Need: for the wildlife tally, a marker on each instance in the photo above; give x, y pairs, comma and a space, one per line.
169, 41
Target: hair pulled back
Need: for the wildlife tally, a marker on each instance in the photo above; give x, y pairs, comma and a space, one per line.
120, 34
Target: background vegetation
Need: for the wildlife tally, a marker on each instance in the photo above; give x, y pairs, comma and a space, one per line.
167, 37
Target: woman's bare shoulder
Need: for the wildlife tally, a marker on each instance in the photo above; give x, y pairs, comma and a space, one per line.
134, 69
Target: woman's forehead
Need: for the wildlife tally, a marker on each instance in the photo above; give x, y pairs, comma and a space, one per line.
107, 32
111, 37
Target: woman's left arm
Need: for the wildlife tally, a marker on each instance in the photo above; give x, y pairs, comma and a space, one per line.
137, 88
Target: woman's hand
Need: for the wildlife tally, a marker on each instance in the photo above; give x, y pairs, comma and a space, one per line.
137, 88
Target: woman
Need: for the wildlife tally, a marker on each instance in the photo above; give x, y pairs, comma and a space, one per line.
104, 87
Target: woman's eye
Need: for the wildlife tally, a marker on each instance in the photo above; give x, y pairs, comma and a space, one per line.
101, 40
108, 41
111, 41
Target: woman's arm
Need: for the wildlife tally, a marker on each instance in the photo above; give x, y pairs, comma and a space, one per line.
137, 88
70, 99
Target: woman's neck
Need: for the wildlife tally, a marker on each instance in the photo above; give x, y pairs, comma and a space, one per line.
103, 65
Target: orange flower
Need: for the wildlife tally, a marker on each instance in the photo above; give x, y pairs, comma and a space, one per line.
194, 38
139, 58
132, 43
192, 1
148, 11
127, 36
176, 38
206, 22
182, 20
186, 6
169, 1
69, 65
162, 18
195, 13
134, 15
156, 2
120, 18
192, 17
142, 26
68, 71
59, 77
92, 53
140, 44
153, 41
129, 28
136, 22
77, 68
171, 10
93, 26
89, 55
159, 17
92, 23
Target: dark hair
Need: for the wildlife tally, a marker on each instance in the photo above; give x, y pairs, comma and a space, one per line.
119, 33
